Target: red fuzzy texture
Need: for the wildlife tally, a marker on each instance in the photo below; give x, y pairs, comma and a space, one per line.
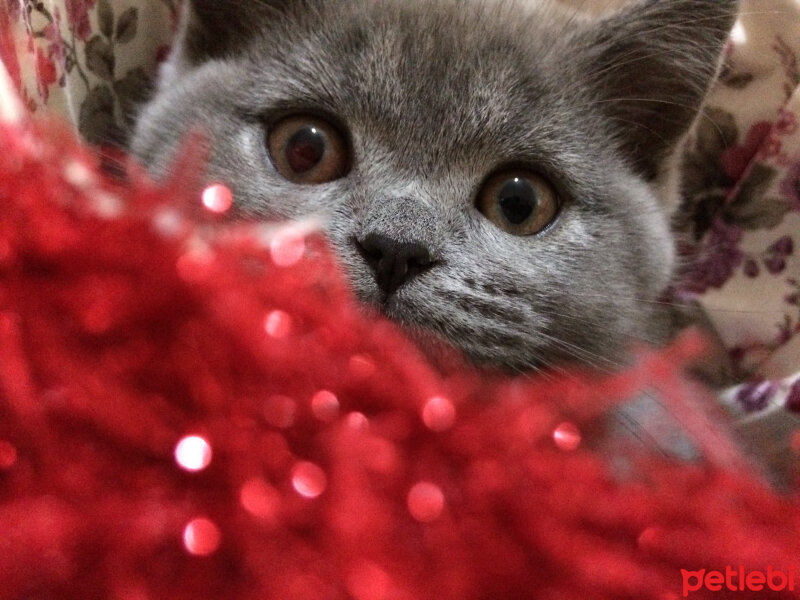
122, 334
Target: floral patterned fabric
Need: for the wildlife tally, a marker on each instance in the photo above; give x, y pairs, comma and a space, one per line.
742, 208
89, 60
92, 61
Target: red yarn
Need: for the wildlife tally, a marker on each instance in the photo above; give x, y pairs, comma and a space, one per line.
189, 410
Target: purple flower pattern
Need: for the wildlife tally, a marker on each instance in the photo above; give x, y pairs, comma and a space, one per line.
754, 397
790, 186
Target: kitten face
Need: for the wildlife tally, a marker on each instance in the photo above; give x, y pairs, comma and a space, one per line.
434, 101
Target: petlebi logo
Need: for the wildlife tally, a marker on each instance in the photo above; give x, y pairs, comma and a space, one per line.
737, 579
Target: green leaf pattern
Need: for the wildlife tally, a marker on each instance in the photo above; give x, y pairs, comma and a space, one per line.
91, 44
127, 25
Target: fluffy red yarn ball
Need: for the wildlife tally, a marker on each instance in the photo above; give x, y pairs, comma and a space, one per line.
190, 409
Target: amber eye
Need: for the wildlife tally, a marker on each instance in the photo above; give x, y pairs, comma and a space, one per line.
307, 149
519, 202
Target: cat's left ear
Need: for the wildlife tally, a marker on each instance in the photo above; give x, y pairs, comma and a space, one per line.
653, 63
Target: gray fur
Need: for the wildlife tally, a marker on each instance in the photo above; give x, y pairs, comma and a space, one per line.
436, 96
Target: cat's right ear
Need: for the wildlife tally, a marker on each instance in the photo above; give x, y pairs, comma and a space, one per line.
218, 28
651, 65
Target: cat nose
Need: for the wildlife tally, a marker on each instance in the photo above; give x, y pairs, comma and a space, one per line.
393, 263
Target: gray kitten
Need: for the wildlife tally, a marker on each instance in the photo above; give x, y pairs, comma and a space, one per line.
500, 174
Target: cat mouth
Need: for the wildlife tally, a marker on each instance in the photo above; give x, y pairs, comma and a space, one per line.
401, 310
392, 307
434, 344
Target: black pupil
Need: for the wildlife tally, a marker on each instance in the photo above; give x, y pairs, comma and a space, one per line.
517, 200
305, 149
